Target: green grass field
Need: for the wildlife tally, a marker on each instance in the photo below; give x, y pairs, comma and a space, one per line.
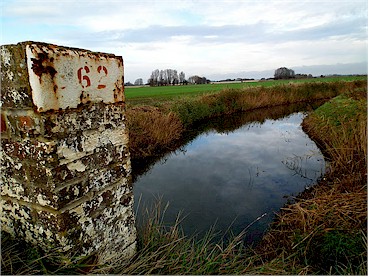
146, 95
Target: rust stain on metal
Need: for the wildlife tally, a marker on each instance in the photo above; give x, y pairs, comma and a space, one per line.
66, 77
26, 121
43, 65
2, 124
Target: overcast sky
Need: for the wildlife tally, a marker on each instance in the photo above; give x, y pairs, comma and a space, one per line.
210, 38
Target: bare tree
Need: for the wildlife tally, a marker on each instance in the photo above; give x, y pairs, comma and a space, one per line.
154, 78
166, 77
161, 78
175, 79
182, 78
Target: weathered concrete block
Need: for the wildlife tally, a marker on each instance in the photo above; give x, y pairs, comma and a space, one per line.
65, 165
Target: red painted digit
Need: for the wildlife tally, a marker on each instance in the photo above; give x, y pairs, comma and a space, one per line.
82, 78
102, 68
99, 69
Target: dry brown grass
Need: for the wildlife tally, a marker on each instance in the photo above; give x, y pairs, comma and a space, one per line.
333, 214
300, 229
340, 128
151, 129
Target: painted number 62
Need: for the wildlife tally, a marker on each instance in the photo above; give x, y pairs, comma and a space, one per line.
84, 79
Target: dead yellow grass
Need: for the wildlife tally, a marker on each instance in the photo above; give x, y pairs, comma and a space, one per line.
332, 214
151, 129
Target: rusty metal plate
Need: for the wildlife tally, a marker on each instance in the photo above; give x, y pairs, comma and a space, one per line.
62, 77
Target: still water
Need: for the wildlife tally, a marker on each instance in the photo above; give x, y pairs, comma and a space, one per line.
231, 178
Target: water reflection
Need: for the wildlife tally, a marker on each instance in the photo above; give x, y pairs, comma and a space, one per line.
233, 177
223, 124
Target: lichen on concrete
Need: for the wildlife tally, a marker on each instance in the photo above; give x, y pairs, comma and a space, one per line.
65, 171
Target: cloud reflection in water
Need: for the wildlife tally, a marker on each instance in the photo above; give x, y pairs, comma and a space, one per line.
238, 175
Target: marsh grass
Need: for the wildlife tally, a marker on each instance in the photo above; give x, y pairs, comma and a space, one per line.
21, 258
14, 259
343, 121
165, 250
156, 129
325, 233
325, 229
151, 130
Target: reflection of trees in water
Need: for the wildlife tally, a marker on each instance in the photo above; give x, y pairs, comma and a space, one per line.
222, 124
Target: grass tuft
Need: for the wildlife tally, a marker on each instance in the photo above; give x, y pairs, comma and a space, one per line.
21, 258
165, 250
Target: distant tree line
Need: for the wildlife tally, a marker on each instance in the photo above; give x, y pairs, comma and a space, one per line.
236, 80
304, 76
165, 77
169, 77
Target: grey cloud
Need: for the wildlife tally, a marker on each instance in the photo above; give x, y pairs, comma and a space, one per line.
198, 33
356, 27
255, 33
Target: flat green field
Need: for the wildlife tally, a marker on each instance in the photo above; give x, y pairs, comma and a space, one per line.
146, 95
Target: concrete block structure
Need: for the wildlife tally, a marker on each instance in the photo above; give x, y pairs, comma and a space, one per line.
65, 165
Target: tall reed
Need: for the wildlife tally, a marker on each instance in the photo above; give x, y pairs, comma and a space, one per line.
343, 122
325, 229
165, 250
233, 100
150, 129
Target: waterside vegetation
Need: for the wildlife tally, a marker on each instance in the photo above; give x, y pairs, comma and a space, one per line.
323, 232
161, 126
